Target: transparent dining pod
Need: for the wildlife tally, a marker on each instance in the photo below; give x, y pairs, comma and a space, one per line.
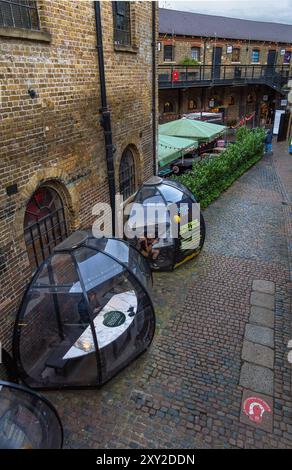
86, 314
165, 224
27, 420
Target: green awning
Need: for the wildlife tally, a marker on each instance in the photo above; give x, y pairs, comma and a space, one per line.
170, 148
192, 129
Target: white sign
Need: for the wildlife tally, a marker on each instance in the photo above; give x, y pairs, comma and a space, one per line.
265, 98
282, 52
284, 102
229, 49
278, 115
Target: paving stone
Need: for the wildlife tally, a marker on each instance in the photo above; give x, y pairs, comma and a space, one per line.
258, 354
262, 299
260, 285
262, 316
259, 334
257, 378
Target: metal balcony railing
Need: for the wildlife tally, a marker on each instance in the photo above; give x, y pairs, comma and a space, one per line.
181, 76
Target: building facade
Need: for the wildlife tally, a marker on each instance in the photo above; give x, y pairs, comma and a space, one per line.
209, 63
53, 156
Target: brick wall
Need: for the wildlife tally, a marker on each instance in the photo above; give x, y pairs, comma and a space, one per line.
182, 48
56, 138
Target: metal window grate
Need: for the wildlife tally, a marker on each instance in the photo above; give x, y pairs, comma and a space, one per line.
44, 225
168, 54
19, 14
127, 174
122, 23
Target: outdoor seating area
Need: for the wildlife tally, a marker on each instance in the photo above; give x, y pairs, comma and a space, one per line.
86, 314
155, 237
184, 141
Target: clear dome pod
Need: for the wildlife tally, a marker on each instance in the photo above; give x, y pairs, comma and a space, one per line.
166, 238
86, 314
27, 420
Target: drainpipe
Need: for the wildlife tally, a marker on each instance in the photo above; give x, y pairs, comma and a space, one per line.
106, 116
155, 166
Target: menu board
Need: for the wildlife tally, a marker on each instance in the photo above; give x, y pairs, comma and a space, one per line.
277, 120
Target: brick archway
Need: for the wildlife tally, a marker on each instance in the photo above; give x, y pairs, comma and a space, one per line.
56, 179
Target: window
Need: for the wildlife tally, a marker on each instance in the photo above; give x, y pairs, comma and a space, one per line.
192, 104
122, 23
168, 107
255, 56
235, 54
195, 53
127, 174
250, 99
231, 101
19, 14
168, 54
44, 224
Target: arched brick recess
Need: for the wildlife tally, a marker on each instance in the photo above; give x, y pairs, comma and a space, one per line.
56, 179
138, 158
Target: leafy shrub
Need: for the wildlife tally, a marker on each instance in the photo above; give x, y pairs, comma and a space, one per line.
188, 61
209, 178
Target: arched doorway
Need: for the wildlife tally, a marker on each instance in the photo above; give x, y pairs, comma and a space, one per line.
44, 224
127, 174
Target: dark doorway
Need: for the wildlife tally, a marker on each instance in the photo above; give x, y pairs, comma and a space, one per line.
216, 62
271, 61
283, 127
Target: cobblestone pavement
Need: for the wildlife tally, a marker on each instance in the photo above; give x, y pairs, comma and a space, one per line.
185, 392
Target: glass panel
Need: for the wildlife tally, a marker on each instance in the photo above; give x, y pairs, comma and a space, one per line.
116, 248
122, 23
149, 194
6, 18
27, 421
168, 53
195, 53
255, 55
170, 193
96, 269
52, 351
19, 13
58, 270
126, 326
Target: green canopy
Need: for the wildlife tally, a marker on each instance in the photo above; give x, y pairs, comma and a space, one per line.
200, 130
170, 148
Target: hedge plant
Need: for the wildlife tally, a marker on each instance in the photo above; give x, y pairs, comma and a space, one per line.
209, 178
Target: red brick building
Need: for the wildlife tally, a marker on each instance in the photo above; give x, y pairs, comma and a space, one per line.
209, 63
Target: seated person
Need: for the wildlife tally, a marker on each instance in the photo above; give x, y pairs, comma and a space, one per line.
146, 248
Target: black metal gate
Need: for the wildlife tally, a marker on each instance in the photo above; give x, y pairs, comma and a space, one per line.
45, 225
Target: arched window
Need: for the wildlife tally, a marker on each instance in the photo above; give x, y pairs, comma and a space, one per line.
192, 104
168, 107
127, 174
44, 224
250, 99
231, 101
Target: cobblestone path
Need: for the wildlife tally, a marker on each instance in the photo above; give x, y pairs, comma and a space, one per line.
185, 392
